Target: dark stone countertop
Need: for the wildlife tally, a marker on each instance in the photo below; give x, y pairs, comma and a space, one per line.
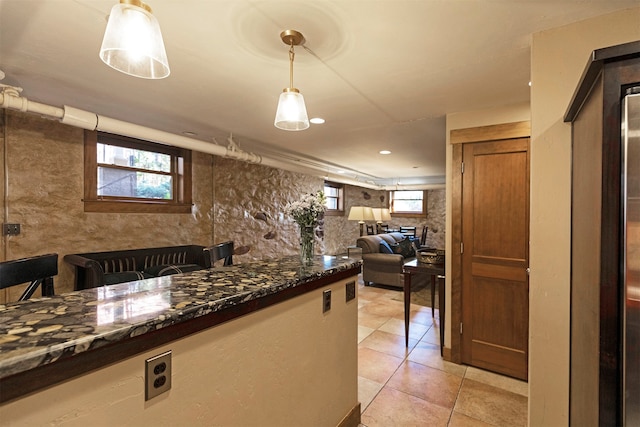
45, 330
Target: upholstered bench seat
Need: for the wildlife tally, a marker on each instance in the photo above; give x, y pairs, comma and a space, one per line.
111, 267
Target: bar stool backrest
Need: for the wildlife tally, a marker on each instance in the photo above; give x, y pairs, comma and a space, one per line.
34, 270
221, 251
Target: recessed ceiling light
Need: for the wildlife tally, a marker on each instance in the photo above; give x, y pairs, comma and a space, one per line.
385, 152
317, 120
529, 84
188, 133
341, 171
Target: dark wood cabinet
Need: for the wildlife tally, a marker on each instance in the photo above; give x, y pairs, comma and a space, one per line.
596, 384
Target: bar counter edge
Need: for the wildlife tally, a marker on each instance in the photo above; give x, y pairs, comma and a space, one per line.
32, 380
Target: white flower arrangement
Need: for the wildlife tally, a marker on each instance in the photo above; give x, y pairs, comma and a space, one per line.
308, 210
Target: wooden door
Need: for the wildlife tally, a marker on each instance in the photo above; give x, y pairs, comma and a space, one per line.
495, 256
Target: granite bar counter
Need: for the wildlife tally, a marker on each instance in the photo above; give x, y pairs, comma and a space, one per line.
50, 341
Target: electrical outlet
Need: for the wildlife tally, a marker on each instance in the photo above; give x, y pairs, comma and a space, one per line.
10, 229
350, 290
157, 375
326, 300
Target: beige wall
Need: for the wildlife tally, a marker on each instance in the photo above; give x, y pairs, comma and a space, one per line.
287, 365
558, 60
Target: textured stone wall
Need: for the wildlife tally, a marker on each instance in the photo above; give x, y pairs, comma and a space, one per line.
44, 181
435, 219
3, 240
233, 200
249, 209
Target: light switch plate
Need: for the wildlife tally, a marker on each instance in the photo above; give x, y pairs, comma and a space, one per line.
350, 290
326, 300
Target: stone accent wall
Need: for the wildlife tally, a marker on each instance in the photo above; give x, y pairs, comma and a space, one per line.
44, 180
233, 200
436, 218
249, 208
3, 241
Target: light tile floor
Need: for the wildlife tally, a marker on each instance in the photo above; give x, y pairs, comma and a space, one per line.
414, 386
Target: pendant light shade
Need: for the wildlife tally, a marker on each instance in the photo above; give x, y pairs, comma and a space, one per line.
291, 113
133, 42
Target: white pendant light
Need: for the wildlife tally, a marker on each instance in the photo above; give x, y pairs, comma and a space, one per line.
291, 113
133, 43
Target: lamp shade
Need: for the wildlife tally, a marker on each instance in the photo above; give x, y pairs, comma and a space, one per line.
381, 214
291, 113
133, 43
361, 213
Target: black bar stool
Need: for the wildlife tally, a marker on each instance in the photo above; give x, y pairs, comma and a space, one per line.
220, 251
34, 270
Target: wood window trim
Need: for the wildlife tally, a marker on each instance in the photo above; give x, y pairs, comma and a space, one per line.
182, 202
341, 198
422, 214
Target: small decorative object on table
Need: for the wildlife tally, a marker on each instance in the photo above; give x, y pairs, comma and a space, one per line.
307, 212
431, 256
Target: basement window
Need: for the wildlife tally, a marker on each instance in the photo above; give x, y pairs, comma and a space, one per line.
408, 202
334, 194
130, 175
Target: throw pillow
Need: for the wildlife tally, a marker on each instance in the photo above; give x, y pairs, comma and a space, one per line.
396, 249
385, 248
405, 248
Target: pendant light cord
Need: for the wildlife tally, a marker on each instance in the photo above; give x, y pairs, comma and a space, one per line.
291, 56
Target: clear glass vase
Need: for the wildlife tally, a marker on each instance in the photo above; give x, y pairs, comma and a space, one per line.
306, 245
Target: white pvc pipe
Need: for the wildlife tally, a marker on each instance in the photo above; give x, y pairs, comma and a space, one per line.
92, 121
79, 118
120, 127
23, 104
412, 187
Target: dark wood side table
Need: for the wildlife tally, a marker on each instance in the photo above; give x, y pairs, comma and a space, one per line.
437, 276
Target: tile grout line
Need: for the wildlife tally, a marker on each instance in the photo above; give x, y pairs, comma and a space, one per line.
394, 372
455, 403
405, 358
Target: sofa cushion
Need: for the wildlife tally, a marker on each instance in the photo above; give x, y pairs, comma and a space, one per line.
165, 270
124, 276
385, 248
390, 238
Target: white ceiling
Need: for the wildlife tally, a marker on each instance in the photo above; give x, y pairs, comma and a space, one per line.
382, 73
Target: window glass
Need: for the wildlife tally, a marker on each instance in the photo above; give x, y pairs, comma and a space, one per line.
126, 183
334, 194
407, 201
123, 156
130, 175
128, 172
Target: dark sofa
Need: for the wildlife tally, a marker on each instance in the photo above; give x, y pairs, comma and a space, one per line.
107, 268
380, 267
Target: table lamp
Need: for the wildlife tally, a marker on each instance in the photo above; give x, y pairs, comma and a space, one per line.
380, 215
361, 214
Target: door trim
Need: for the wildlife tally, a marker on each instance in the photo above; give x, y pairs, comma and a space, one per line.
457, 138
491, 133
